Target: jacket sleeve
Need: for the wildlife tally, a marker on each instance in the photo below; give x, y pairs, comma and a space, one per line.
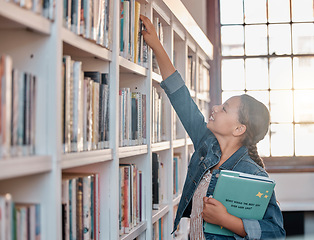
188, 112
270, 227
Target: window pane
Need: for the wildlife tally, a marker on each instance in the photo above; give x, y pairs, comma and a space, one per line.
281, 139
279, 39
263, 147
255, 11
304, 139
262, 96
278, 11
303, 38
302, 10
281, 108
304, 106
280, 73
231, 11
256, 73
228, 94
232, 40
256, 40
303, 72
232, 74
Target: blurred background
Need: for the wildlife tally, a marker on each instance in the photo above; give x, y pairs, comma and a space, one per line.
266, 49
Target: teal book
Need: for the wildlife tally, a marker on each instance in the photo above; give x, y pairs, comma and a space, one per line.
244, 195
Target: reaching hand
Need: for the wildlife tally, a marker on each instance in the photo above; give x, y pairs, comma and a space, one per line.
150, 35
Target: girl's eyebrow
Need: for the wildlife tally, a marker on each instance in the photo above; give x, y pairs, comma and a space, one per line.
226, 104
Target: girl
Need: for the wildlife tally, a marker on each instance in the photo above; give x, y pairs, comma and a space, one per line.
227, 141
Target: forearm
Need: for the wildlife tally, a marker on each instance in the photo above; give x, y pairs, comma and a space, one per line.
234, 224
165, 65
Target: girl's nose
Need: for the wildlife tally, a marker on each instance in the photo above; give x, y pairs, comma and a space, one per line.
215, 108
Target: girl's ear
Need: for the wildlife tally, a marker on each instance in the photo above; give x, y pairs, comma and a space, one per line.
239, 130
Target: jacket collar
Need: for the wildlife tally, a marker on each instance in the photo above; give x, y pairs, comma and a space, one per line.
234, 159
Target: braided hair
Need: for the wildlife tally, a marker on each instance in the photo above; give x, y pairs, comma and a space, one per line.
255, 116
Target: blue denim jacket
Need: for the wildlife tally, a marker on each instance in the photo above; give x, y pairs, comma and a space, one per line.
207, 154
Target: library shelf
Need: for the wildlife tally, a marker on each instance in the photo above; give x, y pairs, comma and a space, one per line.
176, 200
189, 141
76, 159
78, 46
156, 77
165, 17
13, 16
178, 143
157, 214
24, 166
193, 93
203, 97
130, 151
127, 66
135, 232
179, 31
305, 205
160, 146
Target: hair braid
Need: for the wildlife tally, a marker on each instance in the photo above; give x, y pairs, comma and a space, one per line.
255, 116
252, 149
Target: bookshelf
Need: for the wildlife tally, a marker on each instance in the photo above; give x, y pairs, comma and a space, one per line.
37, 45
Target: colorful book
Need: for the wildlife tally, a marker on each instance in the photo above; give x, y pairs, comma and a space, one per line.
244, 196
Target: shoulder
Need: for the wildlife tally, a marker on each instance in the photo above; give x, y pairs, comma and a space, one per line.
247, 165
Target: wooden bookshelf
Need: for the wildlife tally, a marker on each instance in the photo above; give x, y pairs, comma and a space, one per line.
37, 45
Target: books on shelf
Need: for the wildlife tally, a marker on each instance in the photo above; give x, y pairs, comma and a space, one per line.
19, 220
130, 201
80, 206
85, 114
132, 44
159, 30
132, 121
244, 196
177, 172
90, 19
158, 181
46, 8
204, 81
158, 229
158, 115
190, 83
18, 110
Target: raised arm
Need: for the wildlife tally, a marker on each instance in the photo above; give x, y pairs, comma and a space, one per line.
150, 36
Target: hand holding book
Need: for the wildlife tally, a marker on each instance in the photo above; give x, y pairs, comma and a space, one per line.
242, 196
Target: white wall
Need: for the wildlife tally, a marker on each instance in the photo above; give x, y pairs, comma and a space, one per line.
294, 191
197, 8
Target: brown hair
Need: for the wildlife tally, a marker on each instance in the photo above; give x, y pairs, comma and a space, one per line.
255, 116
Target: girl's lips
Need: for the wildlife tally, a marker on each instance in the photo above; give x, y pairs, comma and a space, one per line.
212, 116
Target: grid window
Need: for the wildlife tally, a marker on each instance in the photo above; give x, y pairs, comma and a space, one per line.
267, 51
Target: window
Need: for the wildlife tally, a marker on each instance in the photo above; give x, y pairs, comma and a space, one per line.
267, 51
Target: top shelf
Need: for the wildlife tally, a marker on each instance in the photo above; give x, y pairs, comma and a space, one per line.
13, 16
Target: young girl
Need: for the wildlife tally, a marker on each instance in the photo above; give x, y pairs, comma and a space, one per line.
227, 141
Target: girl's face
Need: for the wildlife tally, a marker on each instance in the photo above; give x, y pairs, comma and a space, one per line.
224, 118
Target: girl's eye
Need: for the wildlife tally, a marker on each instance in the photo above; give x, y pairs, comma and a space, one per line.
223, 108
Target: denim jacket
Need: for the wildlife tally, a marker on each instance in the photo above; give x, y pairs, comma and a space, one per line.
207, 154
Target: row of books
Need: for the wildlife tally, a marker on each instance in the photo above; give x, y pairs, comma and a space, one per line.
45, 8
90, 19
203, 80
158, 117
159, 181
130, 201
19, 221
158, 229
177, 174
85, 115
18, 110
191, 77
132, 121
132, 44
80, 206
159, 30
